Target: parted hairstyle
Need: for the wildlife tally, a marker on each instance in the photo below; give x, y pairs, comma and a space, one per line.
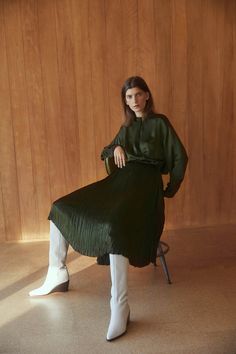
131, 82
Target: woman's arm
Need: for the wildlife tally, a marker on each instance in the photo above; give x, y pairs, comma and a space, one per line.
176, 159
116, 149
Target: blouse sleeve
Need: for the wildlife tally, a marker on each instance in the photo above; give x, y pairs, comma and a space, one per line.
108, 150
176, 159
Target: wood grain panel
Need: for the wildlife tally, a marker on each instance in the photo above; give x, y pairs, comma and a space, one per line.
10, 211
115, 61
211, 108
130, 42
163, 91
99, 90
227, 126
35, 104
61, 70
82, 57
232, 181
67, 86
51, 98
146, 41
3, 235
20, 118
179, 206
196, 179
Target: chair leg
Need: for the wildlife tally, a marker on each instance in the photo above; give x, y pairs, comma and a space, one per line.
164, 264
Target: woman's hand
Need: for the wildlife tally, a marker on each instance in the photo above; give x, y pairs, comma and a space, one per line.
119, 156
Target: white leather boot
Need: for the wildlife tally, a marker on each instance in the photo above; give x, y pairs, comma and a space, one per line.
120, 311
57, 278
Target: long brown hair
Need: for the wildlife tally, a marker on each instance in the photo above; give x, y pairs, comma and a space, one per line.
131, 82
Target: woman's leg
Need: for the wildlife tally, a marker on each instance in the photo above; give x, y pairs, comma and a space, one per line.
57, 278
119, 296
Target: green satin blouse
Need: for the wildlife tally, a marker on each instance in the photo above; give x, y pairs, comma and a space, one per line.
153, 141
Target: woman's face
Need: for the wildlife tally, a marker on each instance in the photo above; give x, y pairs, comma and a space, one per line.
136, 100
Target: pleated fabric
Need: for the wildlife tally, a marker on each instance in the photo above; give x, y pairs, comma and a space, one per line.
124, 212
121, 214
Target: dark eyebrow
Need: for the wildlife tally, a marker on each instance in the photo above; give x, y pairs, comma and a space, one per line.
134, 93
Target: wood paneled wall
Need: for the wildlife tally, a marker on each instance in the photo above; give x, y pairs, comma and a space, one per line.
62, 65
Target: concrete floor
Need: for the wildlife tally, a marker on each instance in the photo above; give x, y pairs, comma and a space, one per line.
194, 315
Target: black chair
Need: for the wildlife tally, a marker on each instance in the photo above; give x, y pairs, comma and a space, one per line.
163, 247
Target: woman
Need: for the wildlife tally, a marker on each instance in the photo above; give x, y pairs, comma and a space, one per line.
123, 214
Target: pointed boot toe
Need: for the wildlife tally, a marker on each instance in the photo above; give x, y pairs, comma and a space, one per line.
63, 287
57, 280
118, 324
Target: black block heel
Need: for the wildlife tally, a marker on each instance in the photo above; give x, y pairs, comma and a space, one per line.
62, 288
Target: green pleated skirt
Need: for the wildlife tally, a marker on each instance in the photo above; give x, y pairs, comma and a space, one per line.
120, 214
